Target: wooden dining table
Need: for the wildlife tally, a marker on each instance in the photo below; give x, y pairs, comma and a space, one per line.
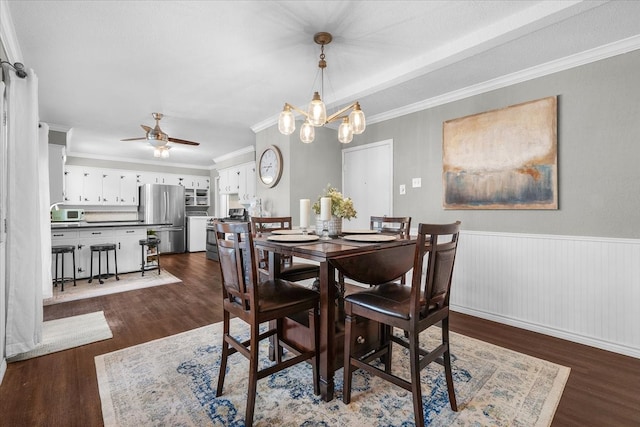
367, 262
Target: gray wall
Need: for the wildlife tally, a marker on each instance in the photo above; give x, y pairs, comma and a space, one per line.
308, 168
598, 153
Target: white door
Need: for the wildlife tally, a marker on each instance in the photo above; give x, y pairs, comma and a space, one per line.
367, 177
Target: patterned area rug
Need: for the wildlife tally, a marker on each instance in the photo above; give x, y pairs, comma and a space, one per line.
172, 381
127, 282
69, 332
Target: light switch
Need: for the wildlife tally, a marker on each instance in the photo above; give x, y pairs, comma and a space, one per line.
403, 189
416, 182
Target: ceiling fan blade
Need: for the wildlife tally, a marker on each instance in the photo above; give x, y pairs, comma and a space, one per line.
183, 141
133, 139
146, 128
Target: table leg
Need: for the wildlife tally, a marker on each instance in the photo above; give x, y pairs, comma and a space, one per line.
327, 330
274, 271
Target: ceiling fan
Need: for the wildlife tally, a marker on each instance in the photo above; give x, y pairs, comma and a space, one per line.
157, 138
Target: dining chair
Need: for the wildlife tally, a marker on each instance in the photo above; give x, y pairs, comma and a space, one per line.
256, 302
400, 225
290, 270
412, 308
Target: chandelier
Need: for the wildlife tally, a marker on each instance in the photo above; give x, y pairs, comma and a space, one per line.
316, 114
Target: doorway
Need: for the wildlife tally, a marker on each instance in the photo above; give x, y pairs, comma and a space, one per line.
367, 177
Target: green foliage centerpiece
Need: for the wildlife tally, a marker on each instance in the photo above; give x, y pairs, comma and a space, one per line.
341, 207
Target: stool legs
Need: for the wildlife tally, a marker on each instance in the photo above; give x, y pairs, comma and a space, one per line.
100, 274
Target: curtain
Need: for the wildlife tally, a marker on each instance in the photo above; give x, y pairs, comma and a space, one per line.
25, 213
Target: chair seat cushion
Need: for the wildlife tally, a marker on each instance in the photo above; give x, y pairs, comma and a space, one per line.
391, 299
281, 294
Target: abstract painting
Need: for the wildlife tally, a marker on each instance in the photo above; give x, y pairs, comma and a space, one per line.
502, 159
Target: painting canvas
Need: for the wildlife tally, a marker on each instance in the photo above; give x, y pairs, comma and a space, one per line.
502, 159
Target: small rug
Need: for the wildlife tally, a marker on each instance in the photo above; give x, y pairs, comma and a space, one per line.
69, 332
127, 282
172, 381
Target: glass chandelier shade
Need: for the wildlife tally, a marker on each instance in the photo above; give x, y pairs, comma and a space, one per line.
286, 121
357, 120
317, 112
345, 132
307, 132
161, 152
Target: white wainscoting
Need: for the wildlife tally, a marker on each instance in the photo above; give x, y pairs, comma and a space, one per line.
583, 289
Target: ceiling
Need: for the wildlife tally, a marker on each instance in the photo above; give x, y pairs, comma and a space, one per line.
221, 70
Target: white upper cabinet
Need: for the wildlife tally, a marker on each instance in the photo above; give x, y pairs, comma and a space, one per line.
56, 173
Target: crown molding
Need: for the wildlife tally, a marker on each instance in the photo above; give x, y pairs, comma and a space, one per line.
246, 150
163, 162
593, 55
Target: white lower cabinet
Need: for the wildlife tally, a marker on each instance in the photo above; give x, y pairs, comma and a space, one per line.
128, 246
125, 239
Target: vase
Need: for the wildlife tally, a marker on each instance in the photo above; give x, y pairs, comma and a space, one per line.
334, 226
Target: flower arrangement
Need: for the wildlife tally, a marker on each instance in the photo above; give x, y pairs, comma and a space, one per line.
341, 207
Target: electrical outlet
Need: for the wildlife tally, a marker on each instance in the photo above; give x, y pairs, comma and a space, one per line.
403, 189
416, 182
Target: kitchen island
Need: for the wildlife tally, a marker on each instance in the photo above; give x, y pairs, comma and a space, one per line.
125, 234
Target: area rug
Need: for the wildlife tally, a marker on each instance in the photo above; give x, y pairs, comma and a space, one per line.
69, 332
127, 282
172, 381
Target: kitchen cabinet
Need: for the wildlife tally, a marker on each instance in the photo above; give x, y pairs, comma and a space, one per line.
240, 180
56, 173
229, 180
247, 183
196, 190
96, 186
127, 247
83, 185
129, 182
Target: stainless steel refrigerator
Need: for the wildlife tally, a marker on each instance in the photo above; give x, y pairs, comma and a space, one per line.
163, 206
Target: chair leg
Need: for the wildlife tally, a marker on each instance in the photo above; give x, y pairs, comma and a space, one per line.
225, 353
385, 341
142, 259
447, 365
73, 257
62, 279
349, 342
115, 261
55, 280
253, 375
416, 390
91, 267
100, 267
158, 257
314, 325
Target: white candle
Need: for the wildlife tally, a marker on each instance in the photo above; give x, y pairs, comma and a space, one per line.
325, 208
305, 210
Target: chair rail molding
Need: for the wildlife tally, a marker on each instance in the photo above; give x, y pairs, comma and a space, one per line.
582, 289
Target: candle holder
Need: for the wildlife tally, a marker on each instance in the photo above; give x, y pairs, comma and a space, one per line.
325, 230
304, 231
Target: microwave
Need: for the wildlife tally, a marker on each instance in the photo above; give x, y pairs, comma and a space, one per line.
62, 215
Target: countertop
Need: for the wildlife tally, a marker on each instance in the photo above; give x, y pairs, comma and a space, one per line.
106, 224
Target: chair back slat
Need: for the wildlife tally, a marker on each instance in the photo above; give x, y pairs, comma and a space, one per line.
237, 263
400, 225
268, 224
437, 244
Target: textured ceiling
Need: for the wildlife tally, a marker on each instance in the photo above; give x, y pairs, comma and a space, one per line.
218, 69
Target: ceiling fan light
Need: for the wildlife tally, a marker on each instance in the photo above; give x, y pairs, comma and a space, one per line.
317, 111
357, 120
345, 132
165, 153
307, 132
157, 152
286, 121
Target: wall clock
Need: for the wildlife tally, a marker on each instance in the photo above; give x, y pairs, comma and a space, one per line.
270, 166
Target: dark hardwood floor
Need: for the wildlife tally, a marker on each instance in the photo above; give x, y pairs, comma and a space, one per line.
61, 389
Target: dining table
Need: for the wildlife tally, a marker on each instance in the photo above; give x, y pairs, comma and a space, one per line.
368, 259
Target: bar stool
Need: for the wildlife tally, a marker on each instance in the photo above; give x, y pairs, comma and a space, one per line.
150, 243
61, 250
104, 247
